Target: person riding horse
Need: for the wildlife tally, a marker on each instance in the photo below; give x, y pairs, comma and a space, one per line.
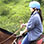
34, 27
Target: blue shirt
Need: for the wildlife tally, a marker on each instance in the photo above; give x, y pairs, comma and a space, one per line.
34, 27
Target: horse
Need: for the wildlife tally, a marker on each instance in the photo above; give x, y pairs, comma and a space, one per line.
19, 39
4, 34
4, 38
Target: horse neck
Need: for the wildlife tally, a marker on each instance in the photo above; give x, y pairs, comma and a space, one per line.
4, 36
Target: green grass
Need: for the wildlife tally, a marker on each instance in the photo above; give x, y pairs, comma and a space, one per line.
11, 12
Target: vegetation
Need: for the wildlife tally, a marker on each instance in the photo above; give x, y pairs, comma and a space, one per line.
14, 11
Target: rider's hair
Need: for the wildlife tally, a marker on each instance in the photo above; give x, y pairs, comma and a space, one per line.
40, 13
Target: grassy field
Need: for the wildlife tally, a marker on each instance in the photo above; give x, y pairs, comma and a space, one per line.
14, 11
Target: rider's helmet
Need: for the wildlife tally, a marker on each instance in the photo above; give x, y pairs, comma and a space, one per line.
34, 4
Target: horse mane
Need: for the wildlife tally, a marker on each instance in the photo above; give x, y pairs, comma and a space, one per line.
5, 31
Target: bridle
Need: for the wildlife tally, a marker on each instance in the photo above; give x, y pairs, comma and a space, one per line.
10, 36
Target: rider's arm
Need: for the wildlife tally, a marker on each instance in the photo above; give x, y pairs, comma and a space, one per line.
24, 31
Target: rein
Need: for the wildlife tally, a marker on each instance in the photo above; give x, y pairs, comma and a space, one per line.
10, 36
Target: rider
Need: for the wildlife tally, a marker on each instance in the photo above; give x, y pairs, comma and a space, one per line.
34, 26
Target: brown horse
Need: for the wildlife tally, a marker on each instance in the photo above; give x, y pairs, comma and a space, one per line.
4, 35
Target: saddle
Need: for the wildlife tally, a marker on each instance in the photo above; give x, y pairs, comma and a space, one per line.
40, 40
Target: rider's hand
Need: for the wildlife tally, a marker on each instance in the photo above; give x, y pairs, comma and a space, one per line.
21, 33
22, 25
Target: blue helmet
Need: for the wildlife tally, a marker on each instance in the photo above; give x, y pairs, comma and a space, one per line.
34, 4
